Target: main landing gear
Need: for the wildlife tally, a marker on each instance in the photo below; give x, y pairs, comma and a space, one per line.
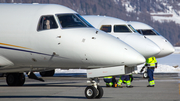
15, 79
18, 79
94, 91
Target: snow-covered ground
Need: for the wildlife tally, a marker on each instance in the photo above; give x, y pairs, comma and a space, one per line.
170, 63
70, 71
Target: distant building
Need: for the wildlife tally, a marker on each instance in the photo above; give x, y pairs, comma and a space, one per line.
162, 15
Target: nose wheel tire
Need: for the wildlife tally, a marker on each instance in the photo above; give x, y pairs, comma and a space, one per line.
100, 92
91, 92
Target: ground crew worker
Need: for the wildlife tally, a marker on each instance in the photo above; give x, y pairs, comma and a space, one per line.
110, 81
125, 79
151, 64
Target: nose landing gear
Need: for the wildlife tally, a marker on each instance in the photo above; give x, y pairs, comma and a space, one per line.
94, 91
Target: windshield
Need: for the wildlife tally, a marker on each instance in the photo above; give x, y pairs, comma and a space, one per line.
156, 32
72, 20
139, 31
149, 32
132, 29
121, 28
89, 25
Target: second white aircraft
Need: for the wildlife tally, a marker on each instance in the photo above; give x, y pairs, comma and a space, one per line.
125, 32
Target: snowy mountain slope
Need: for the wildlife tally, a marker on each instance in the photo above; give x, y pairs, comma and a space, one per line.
151, 6
160, 10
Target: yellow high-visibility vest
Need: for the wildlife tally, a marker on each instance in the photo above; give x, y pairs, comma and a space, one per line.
108, 77
151, 62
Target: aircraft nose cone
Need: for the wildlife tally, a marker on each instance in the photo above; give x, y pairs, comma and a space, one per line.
151, 49
139, 59
109, 51
170, 49
143, 45
165, 46
133, 57
166, 49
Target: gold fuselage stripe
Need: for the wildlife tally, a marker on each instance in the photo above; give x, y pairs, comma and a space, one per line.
13, 45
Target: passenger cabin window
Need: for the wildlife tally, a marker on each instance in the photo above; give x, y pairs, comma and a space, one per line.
121, 28
47, 22
106, 28
72, 21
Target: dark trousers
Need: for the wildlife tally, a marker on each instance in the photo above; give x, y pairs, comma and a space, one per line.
150, 73
113, 80
125, 77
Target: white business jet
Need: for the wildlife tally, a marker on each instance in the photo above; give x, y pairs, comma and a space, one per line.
152, 34
40, 37
125, 32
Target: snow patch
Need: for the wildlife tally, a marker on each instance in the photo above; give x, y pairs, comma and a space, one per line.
175, 16
177, 50
128, 6
167, 69
163, 69
70, 71
116, 1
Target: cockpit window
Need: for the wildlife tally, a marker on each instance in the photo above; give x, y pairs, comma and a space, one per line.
89, 25
156, 32
121, 28
148, 32
72, 20
139, 31
132, 29
47, 22
106, 28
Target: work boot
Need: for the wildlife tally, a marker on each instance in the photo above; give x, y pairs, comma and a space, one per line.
150, 86
115, 85
119, 86
129, 86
